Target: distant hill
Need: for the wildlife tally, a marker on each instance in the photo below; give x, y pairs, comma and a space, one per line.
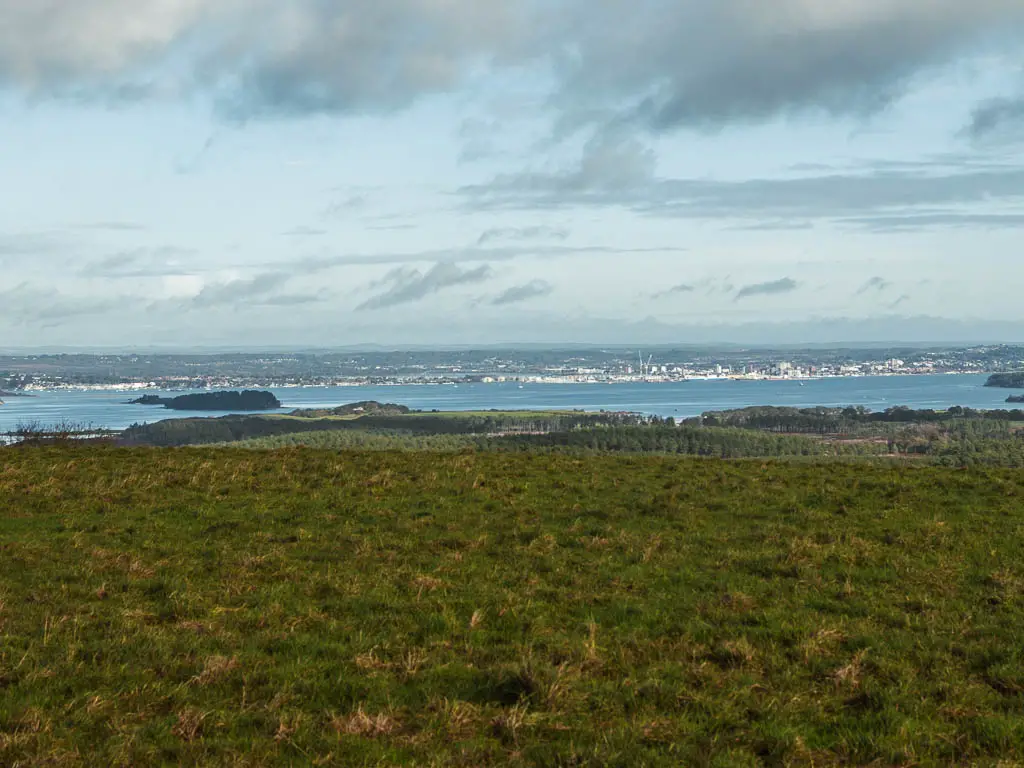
249, 400
1006, 380
364, 408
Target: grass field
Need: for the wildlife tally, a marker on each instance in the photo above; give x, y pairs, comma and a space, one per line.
321, 608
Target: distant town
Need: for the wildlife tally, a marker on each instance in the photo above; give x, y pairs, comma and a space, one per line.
25, 374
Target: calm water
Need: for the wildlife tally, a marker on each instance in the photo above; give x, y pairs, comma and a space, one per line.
691, 398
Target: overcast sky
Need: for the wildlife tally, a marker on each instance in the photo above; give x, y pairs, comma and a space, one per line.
335, 172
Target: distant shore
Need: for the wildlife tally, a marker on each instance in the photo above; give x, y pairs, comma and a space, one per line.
522, 380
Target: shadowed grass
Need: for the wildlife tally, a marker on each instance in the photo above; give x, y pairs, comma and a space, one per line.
309, 607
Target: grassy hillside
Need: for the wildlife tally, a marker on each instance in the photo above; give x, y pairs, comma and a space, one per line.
301, 607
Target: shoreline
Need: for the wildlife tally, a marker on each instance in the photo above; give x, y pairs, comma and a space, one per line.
531, 380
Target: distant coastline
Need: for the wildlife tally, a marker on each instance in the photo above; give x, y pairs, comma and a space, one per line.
539, 380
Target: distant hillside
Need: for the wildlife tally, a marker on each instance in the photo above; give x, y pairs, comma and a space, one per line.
1006, 380
249, 400
364, 408
199, 431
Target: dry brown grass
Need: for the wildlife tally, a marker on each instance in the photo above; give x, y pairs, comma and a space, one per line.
364, 725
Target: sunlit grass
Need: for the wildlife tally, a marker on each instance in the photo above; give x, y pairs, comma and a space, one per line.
310, 607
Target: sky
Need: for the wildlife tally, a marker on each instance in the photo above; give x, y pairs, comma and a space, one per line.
326, 173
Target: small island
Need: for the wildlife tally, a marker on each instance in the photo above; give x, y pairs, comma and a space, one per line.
249, 400
1006, 380
1015, 399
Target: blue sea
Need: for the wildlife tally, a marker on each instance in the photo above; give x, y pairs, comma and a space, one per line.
110, 410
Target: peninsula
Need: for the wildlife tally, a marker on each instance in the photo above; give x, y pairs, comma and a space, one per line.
1006, 380
249, 400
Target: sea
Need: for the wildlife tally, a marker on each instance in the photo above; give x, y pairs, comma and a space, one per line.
111, 410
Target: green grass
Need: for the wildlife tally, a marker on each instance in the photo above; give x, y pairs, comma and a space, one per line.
299, 607
432, 415
360, 440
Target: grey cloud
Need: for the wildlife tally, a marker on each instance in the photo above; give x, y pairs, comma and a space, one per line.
773, 288
305, 232
30, 244
712, 287
796, 225
405, 285
522, 233
328, 261
611, 166
688, 63
915, 222
255, 57
618, 173
27, 304
675, 290
874, 284
293, 299
139, 262
520, 293
477, 138
346, 206
249, 290
114, 265
997, 116
901, 300
261, 290
707, 64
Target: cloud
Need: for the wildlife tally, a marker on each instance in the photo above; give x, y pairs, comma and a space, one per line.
675, 290
304, 232
406, 285
874, 284
713, 63
114, 226
260, 290
17, 245
139, 262
773, 288
696, 63
916, 222
611, 167
506, 234
328, 261
520, 293
346, 206
618, 173
901, 300
253, 57
293, 299
26, 304
244, 291
997, 116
